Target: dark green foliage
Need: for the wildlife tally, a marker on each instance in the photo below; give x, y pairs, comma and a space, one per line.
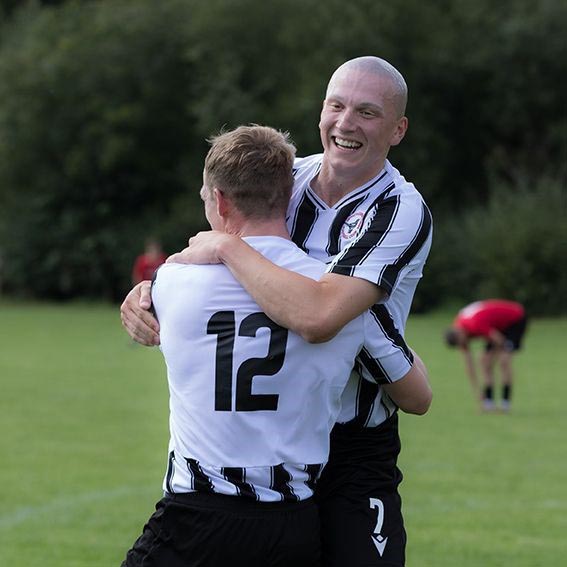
93, 123
105, 107
520, 246
450, 273
512, 248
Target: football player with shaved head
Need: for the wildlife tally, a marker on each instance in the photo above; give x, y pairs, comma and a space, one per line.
352, 209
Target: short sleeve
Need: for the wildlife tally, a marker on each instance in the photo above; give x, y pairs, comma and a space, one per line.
396, 236
385, 356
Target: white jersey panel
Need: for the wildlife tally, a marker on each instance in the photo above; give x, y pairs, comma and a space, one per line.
251, 404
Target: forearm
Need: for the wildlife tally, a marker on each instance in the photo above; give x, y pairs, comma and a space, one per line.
470, 367
497, 338
290, 299
316, 310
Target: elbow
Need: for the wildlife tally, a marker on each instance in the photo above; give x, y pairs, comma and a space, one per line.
317, 330
422, 409
317, 337
421, 405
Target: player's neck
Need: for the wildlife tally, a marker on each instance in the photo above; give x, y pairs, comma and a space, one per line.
255, 227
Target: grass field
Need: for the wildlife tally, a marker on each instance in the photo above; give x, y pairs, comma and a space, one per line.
84, 438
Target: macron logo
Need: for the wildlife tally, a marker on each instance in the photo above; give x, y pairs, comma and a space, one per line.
380, 543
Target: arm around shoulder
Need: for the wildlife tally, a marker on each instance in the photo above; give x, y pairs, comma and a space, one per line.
335, 301
316, 310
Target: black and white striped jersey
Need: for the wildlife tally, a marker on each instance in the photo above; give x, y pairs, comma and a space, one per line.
380, 232
251, 403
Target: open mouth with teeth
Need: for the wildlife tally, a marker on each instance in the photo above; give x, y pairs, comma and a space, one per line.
346, 144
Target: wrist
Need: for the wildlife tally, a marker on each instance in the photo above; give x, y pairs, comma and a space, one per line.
227, 247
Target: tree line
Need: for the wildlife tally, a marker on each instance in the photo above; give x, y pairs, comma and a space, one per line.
105, 107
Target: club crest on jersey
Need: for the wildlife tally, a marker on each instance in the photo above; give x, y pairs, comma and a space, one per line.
351, 226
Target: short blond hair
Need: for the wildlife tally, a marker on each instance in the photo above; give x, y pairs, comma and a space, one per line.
252, 165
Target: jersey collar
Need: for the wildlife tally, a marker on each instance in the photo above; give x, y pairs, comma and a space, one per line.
377, 184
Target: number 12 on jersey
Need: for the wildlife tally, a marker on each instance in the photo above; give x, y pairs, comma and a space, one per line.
223, 325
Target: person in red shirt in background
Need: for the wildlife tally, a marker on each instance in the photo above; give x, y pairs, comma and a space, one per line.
148, 262
502, 324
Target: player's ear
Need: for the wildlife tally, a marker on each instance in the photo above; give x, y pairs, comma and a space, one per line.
400, 131
221, 202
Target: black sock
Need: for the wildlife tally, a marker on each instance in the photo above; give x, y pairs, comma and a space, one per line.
506, 392
488, 392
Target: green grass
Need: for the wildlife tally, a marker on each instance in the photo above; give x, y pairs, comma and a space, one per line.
488, 490
84, 443
84, 436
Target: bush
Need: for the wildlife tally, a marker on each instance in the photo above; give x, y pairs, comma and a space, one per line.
93, 125
514, 248
105, 106
450, 273
520, 245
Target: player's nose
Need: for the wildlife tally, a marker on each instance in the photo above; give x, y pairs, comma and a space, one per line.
345, 120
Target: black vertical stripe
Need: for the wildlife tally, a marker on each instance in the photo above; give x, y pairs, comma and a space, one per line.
169, 474
201, 482
390, 274
313, 471
367, 392
335, 230
236, 475
373, 366
387, 410
305, 218
385, 213
380, 311
280, 483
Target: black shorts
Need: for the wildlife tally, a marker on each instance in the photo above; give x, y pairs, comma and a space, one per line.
514, 335
359, 503
190, 530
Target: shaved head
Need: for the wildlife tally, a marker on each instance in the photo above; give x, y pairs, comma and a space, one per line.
382, 69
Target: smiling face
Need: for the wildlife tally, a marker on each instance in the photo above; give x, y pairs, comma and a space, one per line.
360, 120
